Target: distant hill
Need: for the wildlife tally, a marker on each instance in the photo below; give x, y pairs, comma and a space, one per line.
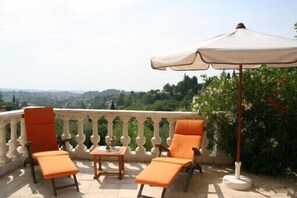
26, 95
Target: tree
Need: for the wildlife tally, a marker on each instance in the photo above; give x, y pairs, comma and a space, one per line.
295, 26
167, 88
120, 100
112, 106
1, 102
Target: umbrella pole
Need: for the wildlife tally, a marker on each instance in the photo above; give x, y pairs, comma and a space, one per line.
239, 114
237, 181
239, 124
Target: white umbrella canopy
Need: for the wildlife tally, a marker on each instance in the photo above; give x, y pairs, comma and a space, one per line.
241, 49
227, 51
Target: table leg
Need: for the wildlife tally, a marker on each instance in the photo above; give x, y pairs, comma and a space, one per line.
123, 164
99, 160
95, 168
120, 167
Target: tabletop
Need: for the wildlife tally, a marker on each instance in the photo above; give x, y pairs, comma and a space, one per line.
115, 151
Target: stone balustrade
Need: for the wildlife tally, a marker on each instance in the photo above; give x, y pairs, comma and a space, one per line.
13, 135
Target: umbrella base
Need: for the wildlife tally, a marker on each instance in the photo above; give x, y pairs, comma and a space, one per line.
241, 183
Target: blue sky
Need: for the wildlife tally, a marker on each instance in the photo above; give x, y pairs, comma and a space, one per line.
100, 44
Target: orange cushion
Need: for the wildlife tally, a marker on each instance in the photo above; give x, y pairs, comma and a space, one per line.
189, 127
172, 160
159, 174
49, 153
37, 115
40, 128
181, 146
56, 166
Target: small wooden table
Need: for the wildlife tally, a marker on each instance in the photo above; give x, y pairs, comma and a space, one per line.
100, 151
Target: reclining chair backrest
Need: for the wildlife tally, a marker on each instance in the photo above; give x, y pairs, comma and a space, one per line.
188, 134
40, 128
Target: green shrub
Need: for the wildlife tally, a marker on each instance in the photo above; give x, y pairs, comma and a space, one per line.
269, 129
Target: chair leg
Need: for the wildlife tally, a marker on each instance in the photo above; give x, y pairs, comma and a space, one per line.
198, 167
33, 172
189, 177
76, 184
26, 162
54, 187
140, 190
163, 193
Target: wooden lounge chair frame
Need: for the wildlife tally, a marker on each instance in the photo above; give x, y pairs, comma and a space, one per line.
189, 169
42, 118
195, 130
32, 162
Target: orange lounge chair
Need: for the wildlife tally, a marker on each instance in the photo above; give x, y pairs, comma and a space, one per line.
182, 155
43, 147
159, 174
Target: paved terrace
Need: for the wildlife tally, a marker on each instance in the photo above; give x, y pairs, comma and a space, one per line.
207, 184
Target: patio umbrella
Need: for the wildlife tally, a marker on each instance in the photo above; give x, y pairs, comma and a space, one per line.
241, 49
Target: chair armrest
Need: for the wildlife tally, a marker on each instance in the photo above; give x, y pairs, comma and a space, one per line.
162, 148
62, 142
196, 151
28, 144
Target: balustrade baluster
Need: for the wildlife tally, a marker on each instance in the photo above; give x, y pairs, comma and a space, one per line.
23, 138
204, 144
156, 139
125, 139
95, 138
13, 143
140, 139
109, 127
3, 148
80, 137
66, 133
171, 130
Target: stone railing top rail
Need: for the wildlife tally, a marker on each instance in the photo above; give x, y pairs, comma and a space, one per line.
132, 113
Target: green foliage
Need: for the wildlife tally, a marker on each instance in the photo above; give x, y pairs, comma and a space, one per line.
171, 98
8, 106
148, 134
269, 117
102, 128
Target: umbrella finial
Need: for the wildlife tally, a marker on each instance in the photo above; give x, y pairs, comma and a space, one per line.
240, 26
